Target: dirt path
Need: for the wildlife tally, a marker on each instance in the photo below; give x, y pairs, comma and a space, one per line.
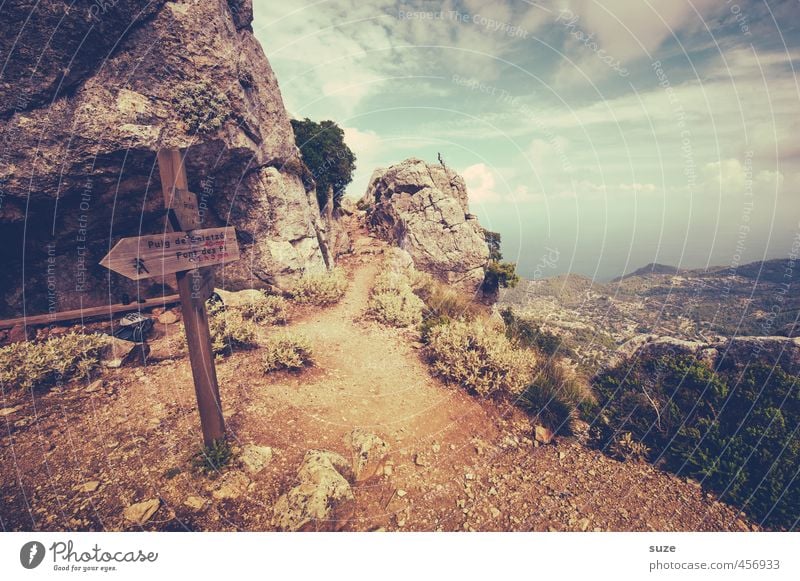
370, 377
78, 456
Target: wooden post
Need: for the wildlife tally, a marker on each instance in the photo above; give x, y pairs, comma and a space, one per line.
195, 318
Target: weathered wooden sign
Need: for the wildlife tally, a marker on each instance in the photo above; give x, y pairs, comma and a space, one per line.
187, 212
170, 252
188, 252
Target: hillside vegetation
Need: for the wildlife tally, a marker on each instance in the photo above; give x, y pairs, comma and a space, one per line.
733, 429
459, 422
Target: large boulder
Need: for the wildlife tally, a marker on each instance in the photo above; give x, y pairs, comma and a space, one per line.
90, 91
322, 500
423, 208
368, 452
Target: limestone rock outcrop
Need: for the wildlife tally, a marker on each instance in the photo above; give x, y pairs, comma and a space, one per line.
90, 91
322, 500
423, 209
368, 452
720, 352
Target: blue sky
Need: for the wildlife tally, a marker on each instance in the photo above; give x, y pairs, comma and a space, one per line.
609, 134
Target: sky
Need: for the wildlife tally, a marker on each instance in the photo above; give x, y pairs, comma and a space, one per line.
595, 136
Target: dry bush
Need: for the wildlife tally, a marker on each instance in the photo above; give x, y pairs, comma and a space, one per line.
421, 283
324, 288
392, 300
268, 310
399, 308
59, 359
286, 351
443, 305
429, 323
444, 301
403, 296
479, 358
390, 281
229, 330
553, 396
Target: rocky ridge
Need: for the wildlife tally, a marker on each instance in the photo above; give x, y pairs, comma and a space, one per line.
424, 209
80, 134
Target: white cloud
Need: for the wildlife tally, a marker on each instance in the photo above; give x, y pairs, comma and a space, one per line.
637, 187
731, 177
726, 177
604, 37
327, 55
334, 54
630, 30
549, 154
523, 195
362, 142
481, 183
341, 60
747, 63
369, 148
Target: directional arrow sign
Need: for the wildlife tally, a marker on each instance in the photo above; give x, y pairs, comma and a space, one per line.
160, 254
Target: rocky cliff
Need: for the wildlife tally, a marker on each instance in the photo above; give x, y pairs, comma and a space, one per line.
718, 353
424, 209
90, 91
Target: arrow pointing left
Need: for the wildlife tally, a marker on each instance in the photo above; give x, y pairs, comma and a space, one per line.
170, 252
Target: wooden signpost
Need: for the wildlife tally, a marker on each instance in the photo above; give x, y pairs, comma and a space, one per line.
171, 252
189, 252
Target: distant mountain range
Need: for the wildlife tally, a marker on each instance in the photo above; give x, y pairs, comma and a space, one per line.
652, 268
760, 298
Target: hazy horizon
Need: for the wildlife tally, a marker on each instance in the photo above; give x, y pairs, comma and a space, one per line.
613, 135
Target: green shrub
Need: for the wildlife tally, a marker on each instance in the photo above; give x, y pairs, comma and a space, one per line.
478, 357
552, 397
324, 288
401, 308
229, 330
734, 429
286, 351
202, 107
29, 365
493, 241
328, 158
211, 459
626, 448
528, 334
499, 274
429, 323
269, 310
